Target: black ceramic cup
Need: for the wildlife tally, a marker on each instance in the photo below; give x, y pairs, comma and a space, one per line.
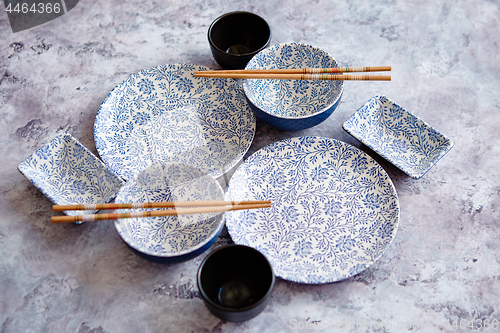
235, 282
236, 37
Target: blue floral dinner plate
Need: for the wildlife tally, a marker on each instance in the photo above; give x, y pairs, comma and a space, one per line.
398, 136
68, 173
164, 114
334, 208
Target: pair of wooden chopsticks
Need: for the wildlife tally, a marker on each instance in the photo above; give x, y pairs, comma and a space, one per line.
333, 74
195, 207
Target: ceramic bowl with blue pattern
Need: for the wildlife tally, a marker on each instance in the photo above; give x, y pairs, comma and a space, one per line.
169, 239
68, 173
398, 136
292, 104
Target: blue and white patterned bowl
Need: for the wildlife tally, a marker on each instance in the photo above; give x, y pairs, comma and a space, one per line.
164, 114
398, 136
177, 238
292, 104
334, 208
68, 173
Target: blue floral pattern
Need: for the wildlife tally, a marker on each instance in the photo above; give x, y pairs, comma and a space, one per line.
320, 229
164, 114
68, 173
397, 135
292, 98
165, 236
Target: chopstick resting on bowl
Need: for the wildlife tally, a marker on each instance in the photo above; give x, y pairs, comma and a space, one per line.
161, 204
301, 74
304, 70
195, 207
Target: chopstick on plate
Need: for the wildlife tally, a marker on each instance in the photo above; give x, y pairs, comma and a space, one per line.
301, 74
218, 207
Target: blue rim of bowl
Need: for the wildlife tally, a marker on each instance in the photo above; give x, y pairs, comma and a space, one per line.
326, 108
192, 250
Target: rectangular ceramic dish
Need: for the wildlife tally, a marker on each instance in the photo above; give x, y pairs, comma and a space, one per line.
398, 136
68, 173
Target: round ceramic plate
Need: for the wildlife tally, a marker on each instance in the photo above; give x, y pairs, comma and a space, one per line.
334, 208
177, 235
164, 114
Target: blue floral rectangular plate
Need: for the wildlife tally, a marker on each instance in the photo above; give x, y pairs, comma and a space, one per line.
398, 136
68, 173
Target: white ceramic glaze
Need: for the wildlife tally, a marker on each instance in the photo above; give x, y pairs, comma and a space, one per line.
68, 173
398, 135
334, 208
164, 114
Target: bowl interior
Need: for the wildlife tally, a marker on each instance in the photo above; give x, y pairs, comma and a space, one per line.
235, 277
166, 236
239, 33
292, 98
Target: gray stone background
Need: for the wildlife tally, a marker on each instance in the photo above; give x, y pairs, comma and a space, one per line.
442, 269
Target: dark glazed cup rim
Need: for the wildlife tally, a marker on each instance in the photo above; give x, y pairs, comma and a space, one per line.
218, 19
229, 309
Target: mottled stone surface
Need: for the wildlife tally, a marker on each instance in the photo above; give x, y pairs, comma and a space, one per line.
443, 267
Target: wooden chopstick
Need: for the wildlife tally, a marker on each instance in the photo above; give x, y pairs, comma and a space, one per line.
275, 76
303, 70
153, 213
164, 204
